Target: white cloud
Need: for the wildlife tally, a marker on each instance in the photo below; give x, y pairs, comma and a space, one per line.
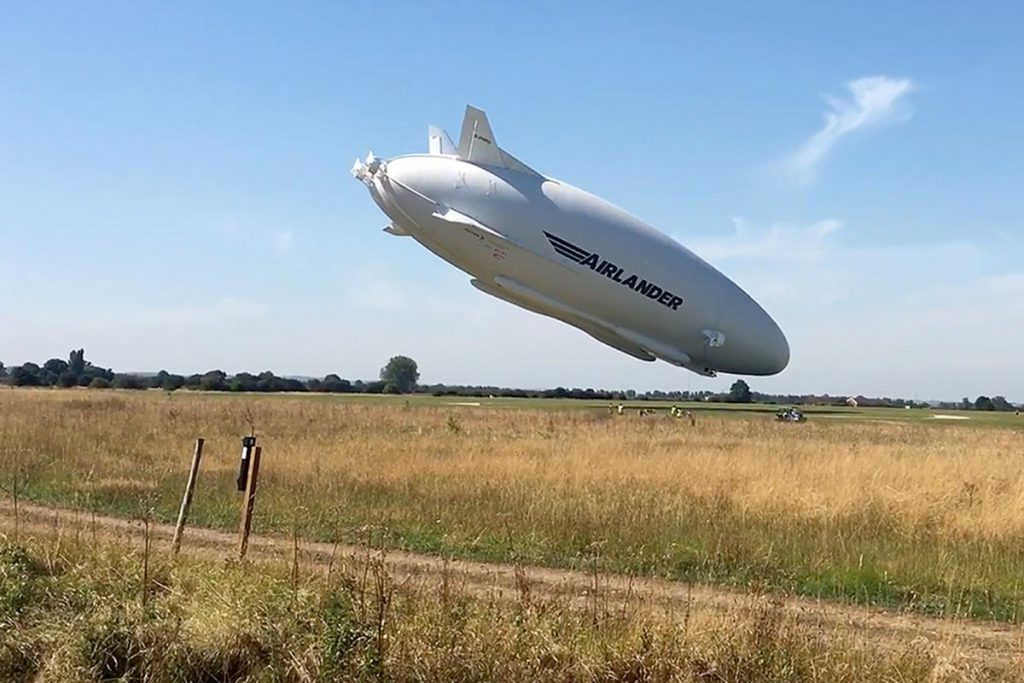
932, 319
777, 241
226, 309
227, 332
374, 287
873, 100
284, 241
1006, 283
244, 234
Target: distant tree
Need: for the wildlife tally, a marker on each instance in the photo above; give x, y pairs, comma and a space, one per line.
214, 380
99, 383
739, 392
337, 385
172, 382
51, 371
76, 362
128, 382
401, 372
84, 371
26, 375
55, 366
1000, 403
290, 384
983, 403
3, 371
156, 381
243, 381
67, 380
268, 381
92, 372
965, 403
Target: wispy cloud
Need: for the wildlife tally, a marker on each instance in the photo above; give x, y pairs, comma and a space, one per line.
227, 308
384, 293
777, 242
929, 317
379, 287
872, 101
250, 234
284, 241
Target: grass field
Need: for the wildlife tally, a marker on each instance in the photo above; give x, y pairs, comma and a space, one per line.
890, 508
87, 610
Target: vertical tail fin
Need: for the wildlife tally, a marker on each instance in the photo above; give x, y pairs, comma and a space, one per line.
477, 144
439, 142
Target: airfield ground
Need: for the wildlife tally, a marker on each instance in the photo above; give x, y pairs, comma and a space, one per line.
891, 514
865, 414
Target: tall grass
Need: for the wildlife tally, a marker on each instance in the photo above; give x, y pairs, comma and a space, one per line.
74, 614
899, 515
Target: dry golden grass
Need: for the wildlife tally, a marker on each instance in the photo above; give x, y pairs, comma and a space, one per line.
901, 515
71, 609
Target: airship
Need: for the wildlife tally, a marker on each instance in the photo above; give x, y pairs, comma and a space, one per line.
559, 251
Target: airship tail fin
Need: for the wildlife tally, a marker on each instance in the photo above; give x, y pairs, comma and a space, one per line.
477, 144
440, 143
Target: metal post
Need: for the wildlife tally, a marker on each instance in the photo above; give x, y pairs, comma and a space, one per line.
248, 501
186, 500
248, 443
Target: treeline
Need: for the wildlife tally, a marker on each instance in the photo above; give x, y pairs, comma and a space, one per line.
74, 372
981, 403
77, 371
51, 374
829, 400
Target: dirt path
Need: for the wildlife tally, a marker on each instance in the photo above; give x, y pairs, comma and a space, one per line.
994, 645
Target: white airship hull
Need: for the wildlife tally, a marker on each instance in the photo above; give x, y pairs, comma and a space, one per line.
556, 250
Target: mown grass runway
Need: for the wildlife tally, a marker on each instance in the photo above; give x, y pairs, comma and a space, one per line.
938, 418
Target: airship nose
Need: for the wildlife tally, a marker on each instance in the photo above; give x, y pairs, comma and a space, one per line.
754, 344
775, 355
767, 351
395, 187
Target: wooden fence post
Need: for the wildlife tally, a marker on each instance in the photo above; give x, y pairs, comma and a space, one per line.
145, 560
186, 500
248, 501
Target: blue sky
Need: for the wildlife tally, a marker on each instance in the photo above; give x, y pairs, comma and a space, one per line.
174, 187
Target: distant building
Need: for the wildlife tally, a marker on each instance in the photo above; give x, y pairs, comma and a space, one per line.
851, 401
